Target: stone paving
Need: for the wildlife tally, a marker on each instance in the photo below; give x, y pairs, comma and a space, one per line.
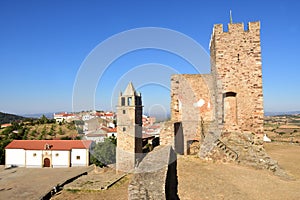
34, 183
97, 179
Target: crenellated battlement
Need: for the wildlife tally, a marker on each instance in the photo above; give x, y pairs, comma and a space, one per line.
236, 27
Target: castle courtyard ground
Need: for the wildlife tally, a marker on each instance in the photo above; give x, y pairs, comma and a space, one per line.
34, 183
199, 180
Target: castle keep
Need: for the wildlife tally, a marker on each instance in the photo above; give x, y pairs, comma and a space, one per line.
229, 99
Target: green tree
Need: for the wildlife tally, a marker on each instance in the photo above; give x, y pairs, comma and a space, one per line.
104, 153
43, 133
52, 131
60, 132
3, 144
33, 132
44, 120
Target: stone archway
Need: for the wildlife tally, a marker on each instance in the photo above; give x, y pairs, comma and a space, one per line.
230, 108
46, 162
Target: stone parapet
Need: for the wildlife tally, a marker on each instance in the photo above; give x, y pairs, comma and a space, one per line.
156, 176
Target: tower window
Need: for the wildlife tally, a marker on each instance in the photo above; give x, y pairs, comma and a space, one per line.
124, 128
124, 111
123, 101
129, 101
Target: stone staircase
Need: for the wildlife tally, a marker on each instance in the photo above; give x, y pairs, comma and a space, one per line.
211, 132
230, 153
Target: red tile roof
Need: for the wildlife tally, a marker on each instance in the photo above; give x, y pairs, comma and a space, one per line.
54, 144
109, 130
5, 125
147, 136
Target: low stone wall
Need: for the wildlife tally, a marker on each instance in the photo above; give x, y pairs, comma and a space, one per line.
156, 176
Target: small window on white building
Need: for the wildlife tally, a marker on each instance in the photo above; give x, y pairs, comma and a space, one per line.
34, 154
77, 157
56, 154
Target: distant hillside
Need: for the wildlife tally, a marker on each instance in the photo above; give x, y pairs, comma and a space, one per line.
8, 118
39, 115
281, 113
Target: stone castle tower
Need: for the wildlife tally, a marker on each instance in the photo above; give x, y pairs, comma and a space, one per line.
129, 129
228, 100
236, 67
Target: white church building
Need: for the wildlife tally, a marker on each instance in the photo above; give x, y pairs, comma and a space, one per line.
47, 153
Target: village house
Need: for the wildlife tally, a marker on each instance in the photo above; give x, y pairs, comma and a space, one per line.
61, 117
5, 125
47, 153
100, 134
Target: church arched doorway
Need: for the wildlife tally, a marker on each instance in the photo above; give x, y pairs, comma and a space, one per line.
46, 162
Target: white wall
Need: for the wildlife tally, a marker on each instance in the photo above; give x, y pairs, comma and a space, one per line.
96, 139
34, 158
82, 159
15, 157
60, 159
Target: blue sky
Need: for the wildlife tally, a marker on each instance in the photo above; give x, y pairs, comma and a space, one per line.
44, 43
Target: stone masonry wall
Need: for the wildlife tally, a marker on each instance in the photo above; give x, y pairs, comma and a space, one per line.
191, 102
156, 176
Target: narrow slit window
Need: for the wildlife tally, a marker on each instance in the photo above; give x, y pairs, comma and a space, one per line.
123, 101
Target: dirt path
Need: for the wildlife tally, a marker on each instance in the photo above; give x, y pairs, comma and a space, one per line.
205, 180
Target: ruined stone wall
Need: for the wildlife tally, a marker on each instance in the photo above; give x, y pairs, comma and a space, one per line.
156, 176
166, 136
192, 101
191, 97
236, 66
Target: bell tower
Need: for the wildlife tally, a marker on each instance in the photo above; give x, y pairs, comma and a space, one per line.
129, 129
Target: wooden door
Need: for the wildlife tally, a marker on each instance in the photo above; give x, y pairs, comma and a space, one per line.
46, 162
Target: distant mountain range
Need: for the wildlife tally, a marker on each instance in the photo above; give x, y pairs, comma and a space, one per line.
6, 118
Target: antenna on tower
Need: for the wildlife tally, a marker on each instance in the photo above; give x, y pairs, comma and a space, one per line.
230, 17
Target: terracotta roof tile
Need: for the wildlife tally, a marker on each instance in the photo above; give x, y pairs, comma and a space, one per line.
54, 144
